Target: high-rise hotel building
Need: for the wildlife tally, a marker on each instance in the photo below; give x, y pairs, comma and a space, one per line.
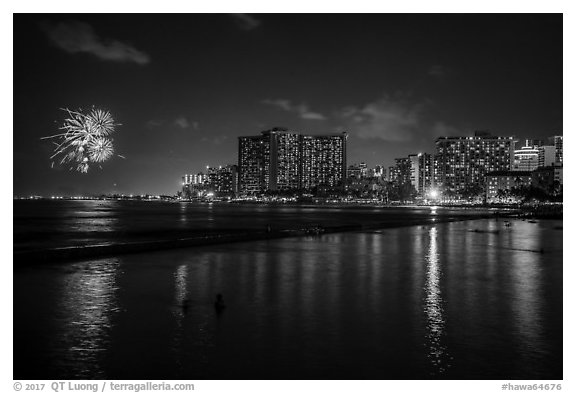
223, 180
323, 160
558, 142
462, 162
416, 169
425, 174
279, 160
284, 160
252, 151
401, 173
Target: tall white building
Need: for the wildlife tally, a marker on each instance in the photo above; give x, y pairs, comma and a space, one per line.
414, 170
526, 158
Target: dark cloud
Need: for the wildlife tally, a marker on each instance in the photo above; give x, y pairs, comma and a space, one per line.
302, 110
394, 120
154, 123
79, 37
182, 122
245, 21
437, 71
279, 103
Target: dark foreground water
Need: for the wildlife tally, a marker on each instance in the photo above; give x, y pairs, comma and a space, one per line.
453, 301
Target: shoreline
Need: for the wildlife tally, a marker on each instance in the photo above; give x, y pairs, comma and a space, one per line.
80, 253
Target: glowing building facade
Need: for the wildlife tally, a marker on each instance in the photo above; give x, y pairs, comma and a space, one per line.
323, 160
378, 171
280, 160
251, 163
425, 174
354, 171
461, 163
284, 160
223, 181
527, 157
194, 179
416, 169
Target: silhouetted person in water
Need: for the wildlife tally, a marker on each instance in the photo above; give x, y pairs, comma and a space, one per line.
219, 303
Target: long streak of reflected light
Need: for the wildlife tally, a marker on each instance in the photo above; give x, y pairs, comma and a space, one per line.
434, 309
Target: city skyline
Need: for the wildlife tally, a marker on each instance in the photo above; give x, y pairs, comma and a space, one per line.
394, 83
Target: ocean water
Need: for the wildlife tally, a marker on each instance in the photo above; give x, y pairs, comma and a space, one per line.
41, 224
459, 300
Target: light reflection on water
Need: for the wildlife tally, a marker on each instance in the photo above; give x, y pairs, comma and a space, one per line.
93, 216
181, 291
180, 309
526, 293
86, 308
183, 214
45, 224
434, 309
93, 224
416, 302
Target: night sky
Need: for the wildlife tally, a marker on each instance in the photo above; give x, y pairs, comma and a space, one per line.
185, 86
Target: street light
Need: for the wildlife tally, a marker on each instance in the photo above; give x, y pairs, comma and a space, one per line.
434, 194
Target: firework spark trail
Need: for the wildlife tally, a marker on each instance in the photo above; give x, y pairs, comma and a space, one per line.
85, 139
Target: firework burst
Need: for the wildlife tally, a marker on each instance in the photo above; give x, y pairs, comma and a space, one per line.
100, 149
85, 139
100, 122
